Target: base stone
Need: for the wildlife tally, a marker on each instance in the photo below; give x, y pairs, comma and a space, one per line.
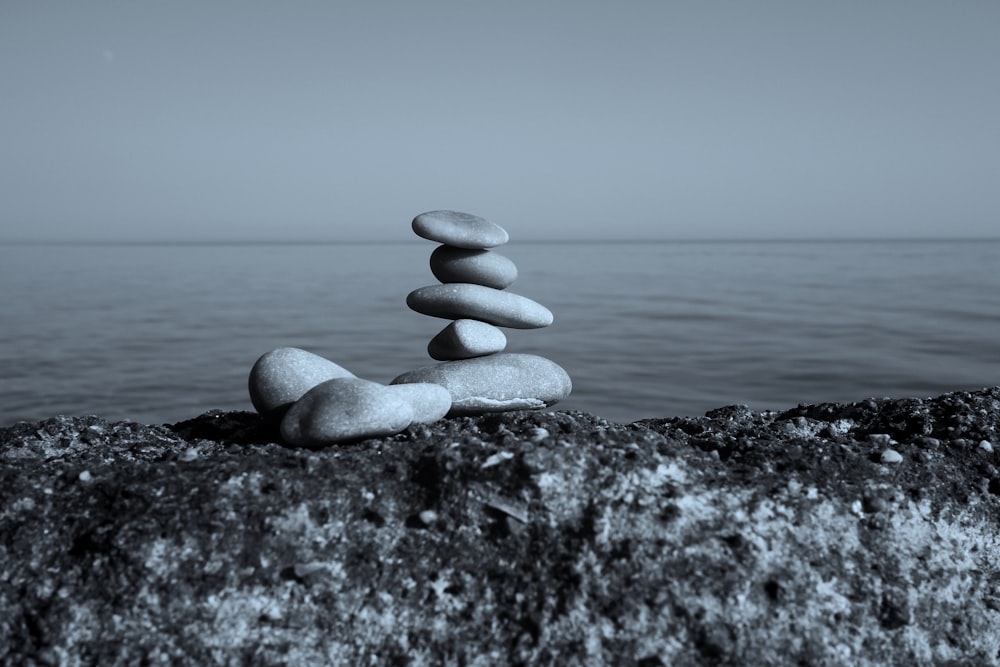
496, 383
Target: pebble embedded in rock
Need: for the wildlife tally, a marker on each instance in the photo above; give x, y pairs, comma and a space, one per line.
496, 383
430, 402
462, 230
465, 339
891, 456
538, 434
455, 301
481, 267
283, 376
345, 409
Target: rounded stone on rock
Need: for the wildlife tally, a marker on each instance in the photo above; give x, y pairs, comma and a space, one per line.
496, 383
464, 339
457, 301
430, 402
462, 230
345, 409
481, 267
890, 456
283, 376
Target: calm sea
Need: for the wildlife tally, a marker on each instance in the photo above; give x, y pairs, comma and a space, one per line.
162, 333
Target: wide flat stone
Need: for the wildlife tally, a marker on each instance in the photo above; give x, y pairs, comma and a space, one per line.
464, 339
497, 383
456, 301
462, 230
345, 409
283, 375
481, 267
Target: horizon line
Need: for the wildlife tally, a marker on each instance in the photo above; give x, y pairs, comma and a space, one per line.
543, 241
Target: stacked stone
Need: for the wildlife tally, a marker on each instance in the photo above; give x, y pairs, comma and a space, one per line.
316, 402
479, 376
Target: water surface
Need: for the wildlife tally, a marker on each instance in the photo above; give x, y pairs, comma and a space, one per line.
160, 333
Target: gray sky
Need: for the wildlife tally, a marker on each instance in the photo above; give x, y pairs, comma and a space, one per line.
199, 120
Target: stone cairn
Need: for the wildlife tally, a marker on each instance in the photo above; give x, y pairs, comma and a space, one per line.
316, 402
479, 376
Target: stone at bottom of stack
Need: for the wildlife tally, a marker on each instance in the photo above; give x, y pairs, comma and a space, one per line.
496, 383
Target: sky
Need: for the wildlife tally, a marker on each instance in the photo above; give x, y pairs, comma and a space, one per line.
193, 120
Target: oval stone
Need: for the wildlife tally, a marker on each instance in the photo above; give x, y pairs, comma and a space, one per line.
345, 409
496, 383
430, 402
481, 267
462, 230
456, 301
284, 375
464, 339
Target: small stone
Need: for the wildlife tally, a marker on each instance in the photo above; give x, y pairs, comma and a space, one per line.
284, 375
430, 402
891, 456
481, 267
496, 459
538, 434
86, 477
465, 339
345, 409
456, 301
986, 446
462, 230
496, 383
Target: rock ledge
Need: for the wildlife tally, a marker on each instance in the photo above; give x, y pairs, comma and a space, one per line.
541, 538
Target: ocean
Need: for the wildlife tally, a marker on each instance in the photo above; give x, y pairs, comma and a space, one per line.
162, 333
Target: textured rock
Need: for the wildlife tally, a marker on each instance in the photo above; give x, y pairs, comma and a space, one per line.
462, 230
496, 383
481, 267
284, 375
430, 402
464, 339
456, 301
345, 409
531, 538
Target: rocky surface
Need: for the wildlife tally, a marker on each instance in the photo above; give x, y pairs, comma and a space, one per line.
857, 534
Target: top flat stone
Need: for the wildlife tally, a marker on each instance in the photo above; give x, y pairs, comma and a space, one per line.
461, 230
